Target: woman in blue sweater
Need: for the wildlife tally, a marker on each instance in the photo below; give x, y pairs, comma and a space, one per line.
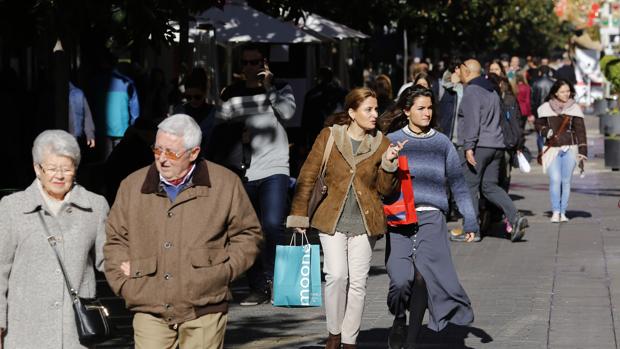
418, 261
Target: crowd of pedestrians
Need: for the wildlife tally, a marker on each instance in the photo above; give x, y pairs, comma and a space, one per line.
200, 194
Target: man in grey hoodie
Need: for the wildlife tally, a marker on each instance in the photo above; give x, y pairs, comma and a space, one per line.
480, 136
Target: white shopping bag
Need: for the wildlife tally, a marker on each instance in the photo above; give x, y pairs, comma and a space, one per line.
524, 165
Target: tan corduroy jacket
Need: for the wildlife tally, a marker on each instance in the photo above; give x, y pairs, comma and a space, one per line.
368, 171
183, 254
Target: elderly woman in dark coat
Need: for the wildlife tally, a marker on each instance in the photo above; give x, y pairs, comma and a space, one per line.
35, 307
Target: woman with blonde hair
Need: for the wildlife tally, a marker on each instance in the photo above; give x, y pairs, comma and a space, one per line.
361, 167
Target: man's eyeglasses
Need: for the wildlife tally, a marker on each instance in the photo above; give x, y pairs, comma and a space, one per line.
168, 153
55, 170
196, 97
251, 61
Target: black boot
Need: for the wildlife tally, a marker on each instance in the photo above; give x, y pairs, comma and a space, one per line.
398, 333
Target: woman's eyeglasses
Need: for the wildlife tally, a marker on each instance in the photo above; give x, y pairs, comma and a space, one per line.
55, 170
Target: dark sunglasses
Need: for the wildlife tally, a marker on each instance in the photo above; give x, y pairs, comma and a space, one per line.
250, 62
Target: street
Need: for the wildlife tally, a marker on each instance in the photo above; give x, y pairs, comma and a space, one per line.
557, 289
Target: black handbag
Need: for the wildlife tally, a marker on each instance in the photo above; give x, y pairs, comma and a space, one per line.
319, 191
91, 317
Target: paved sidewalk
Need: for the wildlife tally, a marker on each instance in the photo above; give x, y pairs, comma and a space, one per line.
558, 289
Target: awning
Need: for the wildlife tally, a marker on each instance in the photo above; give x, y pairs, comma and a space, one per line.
328, 28
236, 23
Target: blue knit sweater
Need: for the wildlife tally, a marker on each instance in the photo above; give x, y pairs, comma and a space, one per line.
434, 165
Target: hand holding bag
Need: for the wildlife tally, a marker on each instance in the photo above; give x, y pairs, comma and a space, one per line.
297, 274
91, 317
320, 187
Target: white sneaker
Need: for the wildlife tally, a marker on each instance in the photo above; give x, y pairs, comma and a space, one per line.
555, 217
563, 218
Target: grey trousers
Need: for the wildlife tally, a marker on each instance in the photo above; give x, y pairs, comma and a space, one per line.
484, 179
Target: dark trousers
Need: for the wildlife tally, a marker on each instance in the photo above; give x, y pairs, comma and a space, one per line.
484, 179
270, 200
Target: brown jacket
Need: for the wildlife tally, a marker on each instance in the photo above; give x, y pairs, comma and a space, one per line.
369, 172
575, 132
183, 254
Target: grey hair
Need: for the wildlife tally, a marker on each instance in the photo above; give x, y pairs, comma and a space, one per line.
182, 125
56, 142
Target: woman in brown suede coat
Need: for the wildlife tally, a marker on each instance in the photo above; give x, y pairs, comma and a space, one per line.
361, 167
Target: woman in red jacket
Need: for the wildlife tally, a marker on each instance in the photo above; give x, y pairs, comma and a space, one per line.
523, 96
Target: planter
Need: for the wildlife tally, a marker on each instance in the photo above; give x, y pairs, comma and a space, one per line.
609, 124
599, 107
612, 152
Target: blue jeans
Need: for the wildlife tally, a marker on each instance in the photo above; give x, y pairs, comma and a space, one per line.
560, 174
269, 197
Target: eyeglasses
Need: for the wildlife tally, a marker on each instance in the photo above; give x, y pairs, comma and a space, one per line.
54, 170
168, 153
250, 62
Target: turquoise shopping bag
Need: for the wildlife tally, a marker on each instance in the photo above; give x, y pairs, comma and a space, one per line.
297, 275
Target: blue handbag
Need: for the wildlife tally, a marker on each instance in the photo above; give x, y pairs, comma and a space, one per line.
297, 275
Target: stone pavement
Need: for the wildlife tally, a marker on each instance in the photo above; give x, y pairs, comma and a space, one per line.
560, 288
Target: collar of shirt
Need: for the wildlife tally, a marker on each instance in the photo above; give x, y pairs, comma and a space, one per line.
183, 182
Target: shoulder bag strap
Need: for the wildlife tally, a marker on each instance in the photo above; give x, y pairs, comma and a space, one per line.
561, 130
52, 241
326, 152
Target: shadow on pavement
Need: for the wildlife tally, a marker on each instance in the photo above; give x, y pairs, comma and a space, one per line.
452, 337
612, 192
252, 328
572, 214
578, 214
515, 197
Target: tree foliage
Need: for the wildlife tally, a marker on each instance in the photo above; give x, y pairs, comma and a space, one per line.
120, 24
515, 26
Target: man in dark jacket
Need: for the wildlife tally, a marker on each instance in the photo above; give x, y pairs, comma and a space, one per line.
482, 142
540, 90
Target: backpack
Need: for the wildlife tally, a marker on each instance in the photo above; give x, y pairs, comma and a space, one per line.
511, 127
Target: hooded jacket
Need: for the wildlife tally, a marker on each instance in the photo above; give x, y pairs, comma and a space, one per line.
479, 113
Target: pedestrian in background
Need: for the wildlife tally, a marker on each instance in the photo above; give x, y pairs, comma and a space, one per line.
260, 104
423, 79
35, 308
418, 259
360, 168
81, 124
483, 147
385, 96
540, 91
560, 121
524, 93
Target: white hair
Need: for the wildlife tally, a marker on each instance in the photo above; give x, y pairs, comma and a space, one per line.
56, 142
182, 125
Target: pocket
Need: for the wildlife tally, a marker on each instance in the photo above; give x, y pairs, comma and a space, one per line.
143, 267
210, 274
133, 289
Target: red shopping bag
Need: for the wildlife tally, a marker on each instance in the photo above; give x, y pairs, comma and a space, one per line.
402, 210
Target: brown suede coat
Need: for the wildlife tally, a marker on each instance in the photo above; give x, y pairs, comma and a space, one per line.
183, 254
369, 172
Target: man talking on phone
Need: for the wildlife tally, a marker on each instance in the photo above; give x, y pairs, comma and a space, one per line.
260, 104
